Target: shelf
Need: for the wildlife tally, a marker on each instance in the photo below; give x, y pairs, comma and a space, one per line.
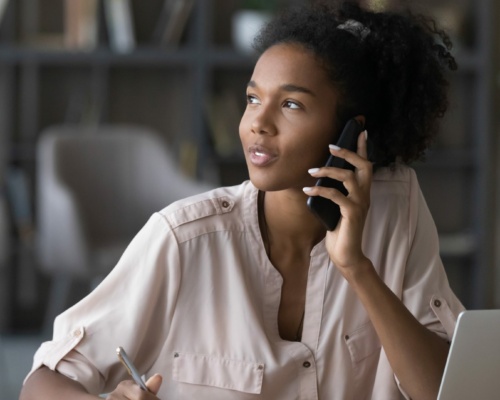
167, 89
462, 244
150, 56
230, 58
448, 159
146, 55
468, 61
227, 58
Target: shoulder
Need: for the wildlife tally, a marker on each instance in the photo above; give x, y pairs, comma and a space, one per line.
398, 179
396, 173
396, 194
396, 198
218, 209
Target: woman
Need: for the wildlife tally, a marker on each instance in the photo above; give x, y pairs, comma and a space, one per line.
241, 292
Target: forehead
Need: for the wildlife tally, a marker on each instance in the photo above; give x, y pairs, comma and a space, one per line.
290, 64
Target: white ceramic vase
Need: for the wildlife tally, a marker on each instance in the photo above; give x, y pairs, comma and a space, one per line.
245, 26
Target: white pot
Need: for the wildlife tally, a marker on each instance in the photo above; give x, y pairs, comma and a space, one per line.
245, 26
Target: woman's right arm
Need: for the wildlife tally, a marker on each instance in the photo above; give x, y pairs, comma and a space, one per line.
46, 384
149, 269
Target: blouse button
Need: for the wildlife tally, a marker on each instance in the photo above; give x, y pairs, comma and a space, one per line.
306, 364
225, 204
77, 332
260, 367
437, 303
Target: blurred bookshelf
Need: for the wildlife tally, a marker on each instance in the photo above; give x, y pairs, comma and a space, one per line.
169, 78
457, 177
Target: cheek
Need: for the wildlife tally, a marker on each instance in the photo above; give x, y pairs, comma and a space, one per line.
299, 157
312, 147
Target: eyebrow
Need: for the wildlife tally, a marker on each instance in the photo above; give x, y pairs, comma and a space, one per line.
287, 87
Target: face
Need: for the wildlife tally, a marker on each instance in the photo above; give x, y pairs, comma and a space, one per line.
289, 119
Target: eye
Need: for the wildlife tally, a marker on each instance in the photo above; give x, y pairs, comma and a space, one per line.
251, 99
291, 104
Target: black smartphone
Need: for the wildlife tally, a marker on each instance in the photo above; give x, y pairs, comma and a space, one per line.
326, 210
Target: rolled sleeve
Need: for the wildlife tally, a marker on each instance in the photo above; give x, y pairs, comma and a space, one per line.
426, 290
123, 310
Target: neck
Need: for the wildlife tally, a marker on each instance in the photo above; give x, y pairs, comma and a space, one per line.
288, 221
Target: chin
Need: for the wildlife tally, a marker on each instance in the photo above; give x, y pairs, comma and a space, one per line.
264, 186
266, 183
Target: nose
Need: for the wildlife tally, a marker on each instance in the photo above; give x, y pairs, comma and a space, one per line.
263, 121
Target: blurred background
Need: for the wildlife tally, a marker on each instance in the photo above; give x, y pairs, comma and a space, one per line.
111, 109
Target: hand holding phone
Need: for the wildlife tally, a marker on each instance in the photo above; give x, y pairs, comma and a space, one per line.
326, 210
131, 369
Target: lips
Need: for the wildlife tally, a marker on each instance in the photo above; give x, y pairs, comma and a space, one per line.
261, 156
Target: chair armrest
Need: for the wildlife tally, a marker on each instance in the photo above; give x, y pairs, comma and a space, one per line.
61, 241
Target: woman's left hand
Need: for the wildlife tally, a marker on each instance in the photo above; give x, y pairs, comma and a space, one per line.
344, 243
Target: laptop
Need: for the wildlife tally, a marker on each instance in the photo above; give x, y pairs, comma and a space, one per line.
473, 367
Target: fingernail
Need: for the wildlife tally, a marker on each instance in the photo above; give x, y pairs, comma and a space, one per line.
307, 189
334, 147
366, 134
313, 170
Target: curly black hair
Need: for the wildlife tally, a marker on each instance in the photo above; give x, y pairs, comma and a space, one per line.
393, 73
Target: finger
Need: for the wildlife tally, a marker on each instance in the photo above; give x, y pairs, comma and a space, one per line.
364, 173
363, 167
362, 144
359, 158
126, 390
349, 208
345, 176
355, 184
331, 194
154, 383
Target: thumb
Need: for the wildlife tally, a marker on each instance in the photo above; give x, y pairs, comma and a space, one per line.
154, 383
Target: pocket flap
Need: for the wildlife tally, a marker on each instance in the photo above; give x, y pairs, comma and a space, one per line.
225, 373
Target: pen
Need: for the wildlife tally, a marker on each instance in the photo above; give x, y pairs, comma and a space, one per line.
131, 368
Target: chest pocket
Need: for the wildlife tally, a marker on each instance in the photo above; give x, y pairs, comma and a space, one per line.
224, 373
362, 342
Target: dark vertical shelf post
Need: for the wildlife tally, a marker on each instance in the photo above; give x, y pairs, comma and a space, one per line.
7, 90
203, 39
100, 90
483, 285
29, 97
495, 214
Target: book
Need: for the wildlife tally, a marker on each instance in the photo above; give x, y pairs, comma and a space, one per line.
120, 25
3, 9
223, 114
172, 22
19, 198
80, 24
188, 158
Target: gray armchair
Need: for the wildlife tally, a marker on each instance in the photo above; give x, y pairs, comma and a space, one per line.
96, 187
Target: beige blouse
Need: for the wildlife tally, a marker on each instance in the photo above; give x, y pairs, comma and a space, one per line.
195, 298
